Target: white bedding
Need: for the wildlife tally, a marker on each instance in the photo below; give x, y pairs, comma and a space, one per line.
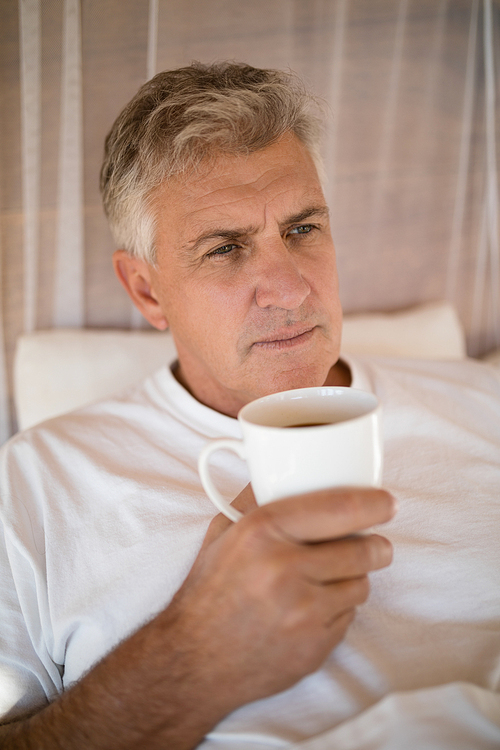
457, 716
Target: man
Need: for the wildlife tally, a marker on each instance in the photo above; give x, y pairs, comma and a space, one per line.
132, 618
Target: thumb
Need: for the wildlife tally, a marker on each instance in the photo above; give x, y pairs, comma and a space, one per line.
244, 502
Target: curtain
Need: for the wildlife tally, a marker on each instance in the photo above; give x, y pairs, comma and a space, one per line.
411, 145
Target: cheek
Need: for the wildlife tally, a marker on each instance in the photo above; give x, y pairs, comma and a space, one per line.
214, 314
323, 278
226, 300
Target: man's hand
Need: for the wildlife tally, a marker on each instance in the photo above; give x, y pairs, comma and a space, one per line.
273, 594
264, 603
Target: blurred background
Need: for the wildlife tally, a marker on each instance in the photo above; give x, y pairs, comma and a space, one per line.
411, 146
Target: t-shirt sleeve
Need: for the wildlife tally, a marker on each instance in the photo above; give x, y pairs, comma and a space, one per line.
26, 682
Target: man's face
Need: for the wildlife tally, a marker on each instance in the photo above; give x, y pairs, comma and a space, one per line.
246, 276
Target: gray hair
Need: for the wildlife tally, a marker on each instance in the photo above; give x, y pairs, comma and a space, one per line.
181, 118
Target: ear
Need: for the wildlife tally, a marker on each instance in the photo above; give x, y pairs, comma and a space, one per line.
136, 278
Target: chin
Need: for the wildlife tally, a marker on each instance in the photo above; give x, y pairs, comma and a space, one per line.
306, 377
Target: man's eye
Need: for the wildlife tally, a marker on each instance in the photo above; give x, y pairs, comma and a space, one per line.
224, 250
302, 229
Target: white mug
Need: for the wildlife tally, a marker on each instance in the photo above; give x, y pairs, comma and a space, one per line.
303, 440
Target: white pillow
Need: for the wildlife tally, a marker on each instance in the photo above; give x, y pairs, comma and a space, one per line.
431, 331
59, 370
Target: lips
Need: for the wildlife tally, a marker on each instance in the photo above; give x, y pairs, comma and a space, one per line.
286, 338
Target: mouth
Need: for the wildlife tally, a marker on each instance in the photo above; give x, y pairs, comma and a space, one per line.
285, 339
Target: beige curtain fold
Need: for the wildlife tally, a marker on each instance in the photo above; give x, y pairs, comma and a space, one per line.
411, 145
31, 94
68, 295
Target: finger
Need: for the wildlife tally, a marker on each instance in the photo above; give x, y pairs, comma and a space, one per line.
342, 596
244, 502
349, 557
322, 605
331, 513
333, 631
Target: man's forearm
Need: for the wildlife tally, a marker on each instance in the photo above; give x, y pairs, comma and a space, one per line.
142, 694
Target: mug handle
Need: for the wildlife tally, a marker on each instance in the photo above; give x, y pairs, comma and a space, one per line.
213, 493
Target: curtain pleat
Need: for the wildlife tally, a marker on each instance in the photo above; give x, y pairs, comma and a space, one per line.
480, 274
69, 267
386, 143
30, 34
5, 410
491, 169
152, 38
464, 155
335, 89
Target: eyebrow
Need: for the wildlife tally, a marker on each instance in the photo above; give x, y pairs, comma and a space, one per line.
308, 213
221, 233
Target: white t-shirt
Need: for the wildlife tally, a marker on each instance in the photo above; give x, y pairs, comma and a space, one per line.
104, 515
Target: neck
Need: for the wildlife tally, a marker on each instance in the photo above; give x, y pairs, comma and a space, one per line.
339, 374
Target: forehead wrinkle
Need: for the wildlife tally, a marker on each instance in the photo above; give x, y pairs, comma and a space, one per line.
275, 173
222, 225
231, 195
222, 198
218, 229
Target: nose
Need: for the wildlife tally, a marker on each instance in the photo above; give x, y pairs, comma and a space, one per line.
279, 280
